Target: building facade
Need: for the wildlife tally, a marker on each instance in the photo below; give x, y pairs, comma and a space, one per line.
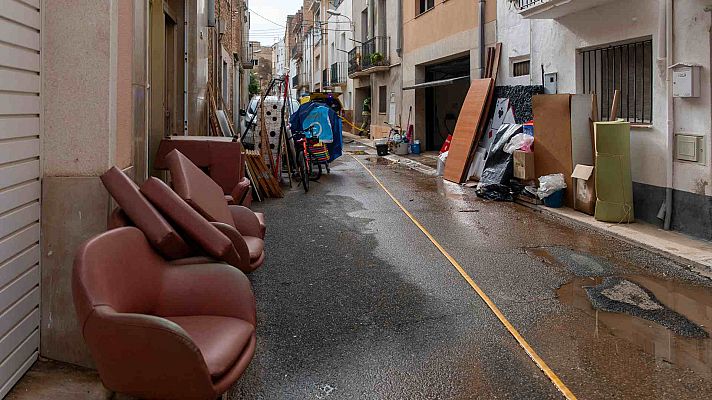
133, 72
588, 46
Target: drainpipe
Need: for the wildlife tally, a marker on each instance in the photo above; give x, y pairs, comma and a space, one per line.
482, 38
399, 43
666, 5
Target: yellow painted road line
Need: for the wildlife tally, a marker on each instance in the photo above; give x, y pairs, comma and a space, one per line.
512, 330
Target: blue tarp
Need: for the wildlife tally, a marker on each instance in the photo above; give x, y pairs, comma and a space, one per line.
326, 122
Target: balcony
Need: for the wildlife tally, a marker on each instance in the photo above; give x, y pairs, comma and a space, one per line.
324, 78
375, 53
354, 61
553, 9
338, 74
248, 56
296, 51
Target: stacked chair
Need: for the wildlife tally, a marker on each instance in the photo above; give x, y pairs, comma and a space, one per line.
162, 298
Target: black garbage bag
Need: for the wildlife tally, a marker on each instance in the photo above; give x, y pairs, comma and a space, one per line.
499, 167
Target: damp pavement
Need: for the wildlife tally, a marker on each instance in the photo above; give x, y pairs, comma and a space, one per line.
354, 302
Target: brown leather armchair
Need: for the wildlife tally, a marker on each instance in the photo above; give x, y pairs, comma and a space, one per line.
219, 240
158, 331
206, 197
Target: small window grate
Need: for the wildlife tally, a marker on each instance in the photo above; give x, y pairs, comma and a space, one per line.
626, 67
520, 68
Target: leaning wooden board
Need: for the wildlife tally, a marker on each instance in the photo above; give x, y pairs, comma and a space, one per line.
464, 138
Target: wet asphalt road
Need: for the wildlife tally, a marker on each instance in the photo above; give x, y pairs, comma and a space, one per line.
354, 302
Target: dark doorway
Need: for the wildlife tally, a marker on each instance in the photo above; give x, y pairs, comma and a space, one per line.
443, 102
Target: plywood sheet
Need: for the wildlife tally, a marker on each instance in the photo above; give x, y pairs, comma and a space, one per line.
552, 138
464, 138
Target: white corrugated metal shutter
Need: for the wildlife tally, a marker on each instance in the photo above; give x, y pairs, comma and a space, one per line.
19, 188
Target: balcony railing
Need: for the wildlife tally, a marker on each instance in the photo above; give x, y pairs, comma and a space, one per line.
338, 73
554, 9
524, 4
248, 55
354, 60
375, 52
297, 50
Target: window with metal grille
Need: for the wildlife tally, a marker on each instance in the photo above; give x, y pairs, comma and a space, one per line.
627, 67
520, 68
425, 5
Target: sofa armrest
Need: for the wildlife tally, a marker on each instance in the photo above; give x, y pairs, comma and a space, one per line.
145, 356
246, 222
237, 242
208, 289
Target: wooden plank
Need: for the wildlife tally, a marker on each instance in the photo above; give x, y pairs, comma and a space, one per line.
18, 196
19, 81
19, 35
19, 218
495, 65
17, 150
464, 135
616, 105
18, 173
13, 315
20, 13
19, 104
552, 129
18, 242
15, 57
19, 358
17, 127
19, 265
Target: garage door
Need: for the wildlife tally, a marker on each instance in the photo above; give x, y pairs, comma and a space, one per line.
19, 188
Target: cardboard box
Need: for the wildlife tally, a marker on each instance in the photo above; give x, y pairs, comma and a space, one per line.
524, 165
585, 189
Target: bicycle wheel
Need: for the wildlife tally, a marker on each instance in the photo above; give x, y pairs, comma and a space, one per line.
303, 171
315, 175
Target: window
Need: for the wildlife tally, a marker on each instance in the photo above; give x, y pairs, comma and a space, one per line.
225, 83
520, 68
382, 99
627, 67
425, 5
256, 62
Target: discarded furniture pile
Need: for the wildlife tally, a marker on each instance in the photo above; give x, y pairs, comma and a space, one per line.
162, 298
560, 154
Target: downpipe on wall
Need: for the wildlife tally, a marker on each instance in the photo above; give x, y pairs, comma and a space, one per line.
481, 11
665, 60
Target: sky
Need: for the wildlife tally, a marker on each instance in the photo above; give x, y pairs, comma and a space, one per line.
266, 32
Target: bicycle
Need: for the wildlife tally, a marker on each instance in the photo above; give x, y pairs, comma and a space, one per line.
306, 159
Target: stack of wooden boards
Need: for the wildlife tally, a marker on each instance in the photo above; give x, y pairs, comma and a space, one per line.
472, 122
262, 178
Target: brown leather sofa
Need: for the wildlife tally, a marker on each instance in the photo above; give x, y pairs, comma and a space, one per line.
217, 239
159, 331
205, 196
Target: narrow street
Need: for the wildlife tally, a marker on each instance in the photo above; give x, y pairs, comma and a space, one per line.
356, 302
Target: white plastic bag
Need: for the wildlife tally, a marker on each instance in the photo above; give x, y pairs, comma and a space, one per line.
442, 158
520, 141
549, 184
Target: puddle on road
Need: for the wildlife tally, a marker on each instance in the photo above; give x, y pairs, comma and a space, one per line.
693, 302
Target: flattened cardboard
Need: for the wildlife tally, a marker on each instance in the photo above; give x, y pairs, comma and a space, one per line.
552, 138
465, 136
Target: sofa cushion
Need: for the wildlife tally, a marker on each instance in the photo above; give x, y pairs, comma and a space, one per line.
221, 340
194, 226
198, 189
139, 210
